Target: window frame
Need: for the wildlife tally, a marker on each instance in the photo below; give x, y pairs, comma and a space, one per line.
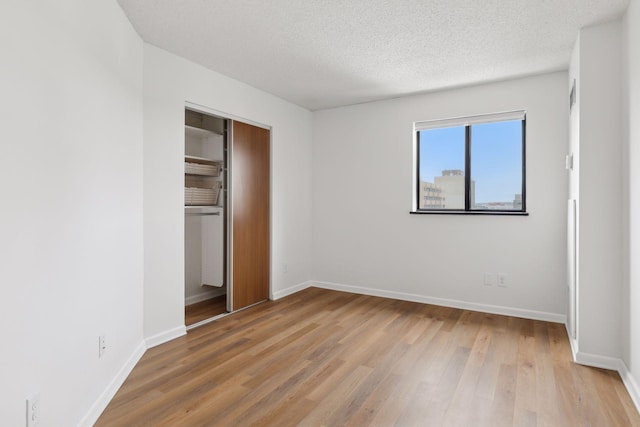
467, 123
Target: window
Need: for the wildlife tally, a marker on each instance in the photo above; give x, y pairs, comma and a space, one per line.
471, 165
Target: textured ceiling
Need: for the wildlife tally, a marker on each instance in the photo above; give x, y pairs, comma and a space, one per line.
327, 53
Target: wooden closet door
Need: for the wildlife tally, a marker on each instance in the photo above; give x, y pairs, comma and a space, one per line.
250, 177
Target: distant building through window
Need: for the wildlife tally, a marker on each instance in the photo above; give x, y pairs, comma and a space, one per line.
448, 188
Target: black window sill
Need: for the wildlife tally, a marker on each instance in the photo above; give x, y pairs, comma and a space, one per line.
446, 212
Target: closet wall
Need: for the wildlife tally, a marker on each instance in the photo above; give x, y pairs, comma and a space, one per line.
169, 83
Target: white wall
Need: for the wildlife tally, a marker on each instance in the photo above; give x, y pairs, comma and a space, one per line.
170, 81
574, 187
71, 228
363, 234
600, 191
71, 220
631, 114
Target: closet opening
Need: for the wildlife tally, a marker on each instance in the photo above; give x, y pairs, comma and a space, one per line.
227, 223
205, 223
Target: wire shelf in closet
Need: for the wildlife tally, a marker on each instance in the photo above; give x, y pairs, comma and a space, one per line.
198, 196
202, 166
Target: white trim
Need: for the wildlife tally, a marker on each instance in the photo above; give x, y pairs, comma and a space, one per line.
597, 361
572, 342
414, 172
228, 203
631, 384
291, 290
203, 296
112, 388
210, 111
470, 120
484, 308
165, 336
613, 364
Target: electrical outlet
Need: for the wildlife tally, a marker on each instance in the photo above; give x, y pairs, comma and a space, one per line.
489, 279
102, 345
502, 280
33, 410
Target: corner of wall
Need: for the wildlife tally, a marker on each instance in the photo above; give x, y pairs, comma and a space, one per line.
290, 290
112, 388
630, 383
165, 336
631, 156
597, 138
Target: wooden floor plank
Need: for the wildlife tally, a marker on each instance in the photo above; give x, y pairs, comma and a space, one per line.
321, 357
194, 313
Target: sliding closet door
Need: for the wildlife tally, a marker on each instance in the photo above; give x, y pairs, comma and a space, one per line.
250, 214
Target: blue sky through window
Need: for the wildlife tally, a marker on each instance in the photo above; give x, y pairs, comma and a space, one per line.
440, 149
496, 157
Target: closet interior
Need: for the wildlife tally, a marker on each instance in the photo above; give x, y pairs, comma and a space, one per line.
205, 202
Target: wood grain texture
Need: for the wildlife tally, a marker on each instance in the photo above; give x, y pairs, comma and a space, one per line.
250, 183
203, 310
326, 358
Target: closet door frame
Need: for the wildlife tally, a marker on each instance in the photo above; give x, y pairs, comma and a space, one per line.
229, 202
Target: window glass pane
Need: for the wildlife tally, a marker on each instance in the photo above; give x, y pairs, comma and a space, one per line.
441, 171
496, 166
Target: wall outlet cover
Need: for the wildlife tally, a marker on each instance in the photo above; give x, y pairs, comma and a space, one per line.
33, 410
102, 345
502, 280
490, 279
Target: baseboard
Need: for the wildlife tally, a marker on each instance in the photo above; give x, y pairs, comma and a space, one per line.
631, 384
613, 364
165, 336
103, 400
484, 308
597, 361
572, 342
291, 290
203, 296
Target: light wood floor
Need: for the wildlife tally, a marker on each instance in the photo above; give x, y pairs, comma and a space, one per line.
203, 310
325, 358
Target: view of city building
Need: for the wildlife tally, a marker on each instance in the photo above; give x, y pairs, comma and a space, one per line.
517, 202
447, 192
431, 196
